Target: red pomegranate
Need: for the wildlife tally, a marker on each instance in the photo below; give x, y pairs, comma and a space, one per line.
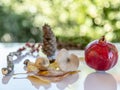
101, 55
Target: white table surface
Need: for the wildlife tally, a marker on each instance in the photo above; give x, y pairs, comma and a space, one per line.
87, 79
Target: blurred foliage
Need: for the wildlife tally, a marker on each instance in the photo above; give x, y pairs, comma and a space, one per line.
73, 42
22, 20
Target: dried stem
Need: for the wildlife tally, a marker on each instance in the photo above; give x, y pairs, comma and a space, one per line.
102, 39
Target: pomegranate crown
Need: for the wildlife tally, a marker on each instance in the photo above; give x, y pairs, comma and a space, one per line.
102, 39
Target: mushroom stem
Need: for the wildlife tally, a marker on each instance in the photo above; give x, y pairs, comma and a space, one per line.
19, 74
28, 73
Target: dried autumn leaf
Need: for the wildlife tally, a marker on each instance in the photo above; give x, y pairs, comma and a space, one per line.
58, 78
54, 66
53, 73
55, 76
50, 73
38, 80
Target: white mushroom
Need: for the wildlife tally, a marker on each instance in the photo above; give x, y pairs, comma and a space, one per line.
66, 61
42, 62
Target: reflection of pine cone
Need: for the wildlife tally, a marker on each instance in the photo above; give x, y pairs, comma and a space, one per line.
49, 41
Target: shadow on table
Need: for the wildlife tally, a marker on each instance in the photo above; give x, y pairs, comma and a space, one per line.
67, 81
100, 81
6, 79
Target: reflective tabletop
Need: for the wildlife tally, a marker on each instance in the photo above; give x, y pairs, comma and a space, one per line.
86, 79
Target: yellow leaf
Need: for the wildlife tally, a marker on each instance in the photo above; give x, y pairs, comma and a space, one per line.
38, 80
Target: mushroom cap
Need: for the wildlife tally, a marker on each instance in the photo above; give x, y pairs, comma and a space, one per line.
42, 61
66, 61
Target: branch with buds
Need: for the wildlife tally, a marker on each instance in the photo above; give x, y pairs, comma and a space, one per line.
10, 62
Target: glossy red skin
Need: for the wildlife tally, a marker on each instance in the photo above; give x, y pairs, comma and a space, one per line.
101, 56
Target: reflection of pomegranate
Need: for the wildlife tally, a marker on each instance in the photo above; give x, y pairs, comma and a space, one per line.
100, 81
101, 55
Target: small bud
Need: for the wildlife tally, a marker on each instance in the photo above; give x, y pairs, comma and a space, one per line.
26, 62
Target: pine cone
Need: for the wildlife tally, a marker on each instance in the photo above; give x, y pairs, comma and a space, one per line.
49, 41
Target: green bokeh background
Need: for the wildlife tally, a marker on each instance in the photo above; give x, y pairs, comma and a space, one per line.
73, 21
